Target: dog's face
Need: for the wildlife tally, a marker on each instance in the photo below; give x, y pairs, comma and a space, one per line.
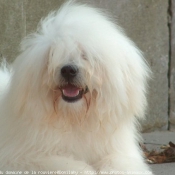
74, 76
70, 75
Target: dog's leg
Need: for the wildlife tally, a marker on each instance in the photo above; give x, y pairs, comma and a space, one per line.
122, 165
124, 155
66, 164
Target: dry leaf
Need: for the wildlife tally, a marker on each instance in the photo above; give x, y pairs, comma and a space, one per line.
165, 156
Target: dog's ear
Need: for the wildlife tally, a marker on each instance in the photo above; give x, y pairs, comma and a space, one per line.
125, 75
27, 79
136, 76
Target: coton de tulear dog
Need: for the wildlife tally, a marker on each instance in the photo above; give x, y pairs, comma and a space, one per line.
71, 100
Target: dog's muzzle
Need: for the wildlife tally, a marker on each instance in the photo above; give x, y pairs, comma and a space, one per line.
71, 91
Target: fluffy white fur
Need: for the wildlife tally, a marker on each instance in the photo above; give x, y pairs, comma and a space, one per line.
41, 131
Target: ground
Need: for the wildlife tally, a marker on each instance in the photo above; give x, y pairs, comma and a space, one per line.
154, 140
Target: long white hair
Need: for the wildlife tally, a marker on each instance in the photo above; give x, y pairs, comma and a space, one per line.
112, 68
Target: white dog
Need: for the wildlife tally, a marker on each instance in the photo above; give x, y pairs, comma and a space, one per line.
73, 98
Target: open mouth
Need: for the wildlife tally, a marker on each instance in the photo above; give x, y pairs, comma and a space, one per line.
72, 93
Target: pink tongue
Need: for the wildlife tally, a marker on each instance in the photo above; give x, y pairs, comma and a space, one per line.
70, 91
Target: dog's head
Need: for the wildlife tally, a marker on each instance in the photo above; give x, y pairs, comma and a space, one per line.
80, 61
70, 72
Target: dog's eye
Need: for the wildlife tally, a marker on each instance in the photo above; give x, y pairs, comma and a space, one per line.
84, 56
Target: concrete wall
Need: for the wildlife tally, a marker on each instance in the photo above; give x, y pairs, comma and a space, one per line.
172, 67
145, 22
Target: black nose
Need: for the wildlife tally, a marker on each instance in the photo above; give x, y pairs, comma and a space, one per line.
69, 71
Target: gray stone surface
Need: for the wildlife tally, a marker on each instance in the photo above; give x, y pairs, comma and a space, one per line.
172, 71
12, 27
153, 141
145, 22
163, 169
158, 138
